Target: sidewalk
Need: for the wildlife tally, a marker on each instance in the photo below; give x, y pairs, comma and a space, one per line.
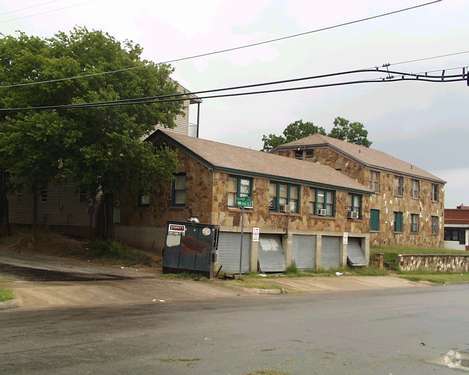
44, 281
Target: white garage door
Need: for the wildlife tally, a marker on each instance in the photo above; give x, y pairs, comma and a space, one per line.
271, 255
228, 252
330, 252
355, 253
304, 251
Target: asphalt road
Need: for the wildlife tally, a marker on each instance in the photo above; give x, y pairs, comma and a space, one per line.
386, 332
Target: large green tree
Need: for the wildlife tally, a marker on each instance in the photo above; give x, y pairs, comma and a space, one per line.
294, 131
99, 149
353, 132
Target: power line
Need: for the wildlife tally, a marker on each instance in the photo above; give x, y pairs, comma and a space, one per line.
46, 12
28, 7
215, 52
186, 96
429, 58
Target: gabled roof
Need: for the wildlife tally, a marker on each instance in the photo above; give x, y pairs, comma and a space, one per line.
234, 159
368, 156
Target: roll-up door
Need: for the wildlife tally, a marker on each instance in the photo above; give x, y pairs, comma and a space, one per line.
355, 254
330, 252
304, 251
228, 251
271, 254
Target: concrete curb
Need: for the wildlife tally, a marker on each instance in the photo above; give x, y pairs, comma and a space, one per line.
7, 305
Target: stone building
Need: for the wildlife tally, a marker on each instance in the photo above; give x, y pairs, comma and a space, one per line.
407, 207
301, 210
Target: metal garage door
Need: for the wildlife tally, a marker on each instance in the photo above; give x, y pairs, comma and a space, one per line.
304, 252
330, 252
271, 255
355, 253
228, 251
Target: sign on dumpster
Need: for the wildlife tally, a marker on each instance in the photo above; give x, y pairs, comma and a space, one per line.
255, 234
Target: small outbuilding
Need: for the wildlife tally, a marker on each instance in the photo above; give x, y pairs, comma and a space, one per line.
457, 227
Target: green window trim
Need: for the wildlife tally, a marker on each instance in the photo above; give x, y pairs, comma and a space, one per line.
374, 220
354, 207
316, 205
174, 191
398, 222
238, 189
274, 204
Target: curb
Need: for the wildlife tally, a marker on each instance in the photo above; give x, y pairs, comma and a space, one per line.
7, 305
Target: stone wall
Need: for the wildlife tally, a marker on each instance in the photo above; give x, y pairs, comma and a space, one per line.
387, 203
433, 263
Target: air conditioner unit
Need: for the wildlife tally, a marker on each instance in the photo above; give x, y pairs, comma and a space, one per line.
353, 215
321, 212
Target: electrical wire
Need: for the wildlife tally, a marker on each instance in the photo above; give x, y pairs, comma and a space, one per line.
187, 96
28, 7
47, 12
429, 58
215, 52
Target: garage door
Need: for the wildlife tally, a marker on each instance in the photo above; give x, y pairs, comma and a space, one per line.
304, 252
330, 252
271, 255
228, 252
355, 253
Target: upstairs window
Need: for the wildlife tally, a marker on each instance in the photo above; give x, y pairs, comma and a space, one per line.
415, 189
144, 200
375, 181
414, 223
299, 154
355, 206
238, 187
284, 197
435, 193
322, 202
179, 190
398, 186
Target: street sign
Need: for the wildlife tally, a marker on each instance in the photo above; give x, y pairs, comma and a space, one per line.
244, 202
255, 234
176, 228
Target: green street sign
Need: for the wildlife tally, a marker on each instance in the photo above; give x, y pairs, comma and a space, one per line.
244, 202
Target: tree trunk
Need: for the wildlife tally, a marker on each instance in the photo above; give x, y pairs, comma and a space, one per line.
35, 215
4, 216
91, 212
105, 220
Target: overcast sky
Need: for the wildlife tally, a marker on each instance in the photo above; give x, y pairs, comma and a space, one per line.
426, 124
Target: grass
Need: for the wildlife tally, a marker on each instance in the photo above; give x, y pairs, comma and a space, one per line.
391, 253
437, 278
184, 276
116, 251
6, 295
267, 372
256, 283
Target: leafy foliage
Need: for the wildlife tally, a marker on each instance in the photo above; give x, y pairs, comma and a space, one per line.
353, 132
100, 148
294, 131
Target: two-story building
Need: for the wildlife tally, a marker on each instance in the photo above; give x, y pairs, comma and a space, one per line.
301, 210
407, 207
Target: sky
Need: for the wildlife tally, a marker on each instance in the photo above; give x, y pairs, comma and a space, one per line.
423, 123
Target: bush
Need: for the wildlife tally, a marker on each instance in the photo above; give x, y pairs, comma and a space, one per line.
292, 269
6, 294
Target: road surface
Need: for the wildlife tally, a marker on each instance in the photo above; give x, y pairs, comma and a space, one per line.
378, 332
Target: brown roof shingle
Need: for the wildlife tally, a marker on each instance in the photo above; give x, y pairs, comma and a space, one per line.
368, 156
225, 156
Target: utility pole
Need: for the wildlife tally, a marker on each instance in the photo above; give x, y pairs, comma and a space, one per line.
241, 245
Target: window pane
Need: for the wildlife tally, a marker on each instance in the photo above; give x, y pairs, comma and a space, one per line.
180, 182
293, 206
321, 196
231, 199
272, 190
293, 192
180, 197
282, 204
330, 210
283, 191
245, 187
329, 197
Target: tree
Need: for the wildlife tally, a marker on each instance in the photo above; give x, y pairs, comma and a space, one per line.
343, 129
294, 131
353, 132
100, 149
